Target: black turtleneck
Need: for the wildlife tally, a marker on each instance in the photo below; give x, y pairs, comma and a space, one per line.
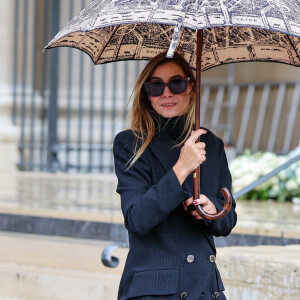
174, 126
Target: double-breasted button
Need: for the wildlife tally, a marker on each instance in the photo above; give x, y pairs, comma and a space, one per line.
215, 295
190, 258
183, 295
212, 258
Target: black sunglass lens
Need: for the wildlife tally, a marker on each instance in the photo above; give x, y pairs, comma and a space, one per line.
155, 88
178, 85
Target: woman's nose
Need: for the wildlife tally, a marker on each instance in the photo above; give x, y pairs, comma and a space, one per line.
167, 92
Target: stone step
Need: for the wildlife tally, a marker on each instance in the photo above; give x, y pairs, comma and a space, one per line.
93, 197
36, 267
42, 268
38, 283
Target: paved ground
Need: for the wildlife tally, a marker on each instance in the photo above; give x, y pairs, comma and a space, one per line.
93, 198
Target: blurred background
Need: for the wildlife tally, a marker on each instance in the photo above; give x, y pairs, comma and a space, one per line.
58, 117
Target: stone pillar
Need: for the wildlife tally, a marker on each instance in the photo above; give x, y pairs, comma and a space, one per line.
8, 133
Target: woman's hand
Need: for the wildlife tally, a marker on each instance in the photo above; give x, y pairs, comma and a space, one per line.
192, 155
205, 203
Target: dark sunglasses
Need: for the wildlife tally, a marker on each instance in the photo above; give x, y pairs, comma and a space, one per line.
177, 85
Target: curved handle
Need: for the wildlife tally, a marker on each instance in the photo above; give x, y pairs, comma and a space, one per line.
107, 259
221, 214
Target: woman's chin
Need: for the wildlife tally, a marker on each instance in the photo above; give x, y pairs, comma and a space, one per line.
170, 114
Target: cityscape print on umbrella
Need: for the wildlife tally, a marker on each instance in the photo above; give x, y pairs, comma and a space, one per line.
278, 15
234, 30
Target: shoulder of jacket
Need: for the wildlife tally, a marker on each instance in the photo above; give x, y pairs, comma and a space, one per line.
125, 134
210, 138
126, 138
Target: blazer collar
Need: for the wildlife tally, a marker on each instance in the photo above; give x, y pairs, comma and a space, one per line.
163, 148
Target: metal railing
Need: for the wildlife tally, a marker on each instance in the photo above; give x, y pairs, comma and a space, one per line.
257, 116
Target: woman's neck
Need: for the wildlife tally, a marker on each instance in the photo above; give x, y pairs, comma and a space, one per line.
175, 126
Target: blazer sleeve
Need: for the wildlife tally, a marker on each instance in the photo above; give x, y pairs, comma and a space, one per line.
223, 226
143, 205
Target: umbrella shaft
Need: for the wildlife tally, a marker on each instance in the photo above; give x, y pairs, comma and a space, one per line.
198, 79
196, 174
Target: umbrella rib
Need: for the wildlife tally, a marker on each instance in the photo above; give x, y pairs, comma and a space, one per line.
111, 35
177, 29
294, 48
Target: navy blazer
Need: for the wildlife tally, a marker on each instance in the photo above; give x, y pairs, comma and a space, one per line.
171, 254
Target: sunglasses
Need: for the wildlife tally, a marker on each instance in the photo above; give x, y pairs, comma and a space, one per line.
177, 85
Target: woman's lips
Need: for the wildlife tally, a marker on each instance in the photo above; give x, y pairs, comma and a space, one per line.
168, 104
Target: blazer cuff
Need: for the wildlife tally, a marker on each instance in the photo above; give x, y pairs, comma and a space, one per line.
176, 186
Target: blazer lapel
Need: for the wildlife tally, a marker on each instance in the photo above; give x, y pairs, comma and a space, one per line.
163, 149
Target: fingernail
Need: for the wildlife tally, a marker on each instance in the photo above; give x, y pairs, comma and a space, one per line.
185, 204
195, 202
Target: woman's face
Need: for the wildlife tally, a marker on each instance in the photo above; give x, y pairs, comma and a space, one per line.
168, 104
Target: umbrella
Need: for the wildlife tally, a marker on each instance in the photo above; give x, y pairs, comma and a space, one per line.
208, 32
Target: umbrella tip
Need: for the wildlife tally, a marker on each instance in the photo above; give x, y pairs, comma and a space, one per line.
170, 53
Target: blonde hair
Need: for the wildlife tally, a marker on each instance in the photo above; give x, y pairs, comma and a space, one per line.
143, 117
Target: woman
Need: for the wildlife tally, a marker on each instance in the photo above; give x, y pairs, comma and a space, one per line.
172, 253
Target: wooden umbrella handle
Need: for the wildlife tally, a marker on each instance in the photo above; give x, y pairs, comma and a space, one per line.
219, 215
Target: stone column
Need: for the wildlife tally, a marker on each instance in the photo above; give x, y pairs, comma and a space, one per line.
8, 133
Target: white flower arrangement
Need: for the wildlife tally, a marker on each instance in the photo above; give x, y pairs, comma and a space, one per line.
247, 168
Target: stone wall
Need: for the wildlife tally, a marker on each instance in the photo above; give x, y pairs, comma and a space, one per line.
9, 134
262, 272
50, 268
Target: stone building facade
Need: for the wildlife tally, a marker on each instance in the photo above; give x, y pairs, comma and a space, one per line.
10, 90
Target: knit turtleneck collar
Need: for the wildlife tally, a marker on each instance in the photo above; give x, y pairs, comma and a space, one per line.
174, 126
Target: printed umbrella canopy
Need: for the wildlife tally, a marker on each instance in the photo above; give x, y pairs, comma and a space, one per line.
208, 32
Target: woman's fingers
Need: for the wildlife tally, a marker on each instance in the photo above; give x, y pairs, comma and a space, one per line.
197, 217
188, 202
203, 201
206, 205
192, 155
200, 146
196, 134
